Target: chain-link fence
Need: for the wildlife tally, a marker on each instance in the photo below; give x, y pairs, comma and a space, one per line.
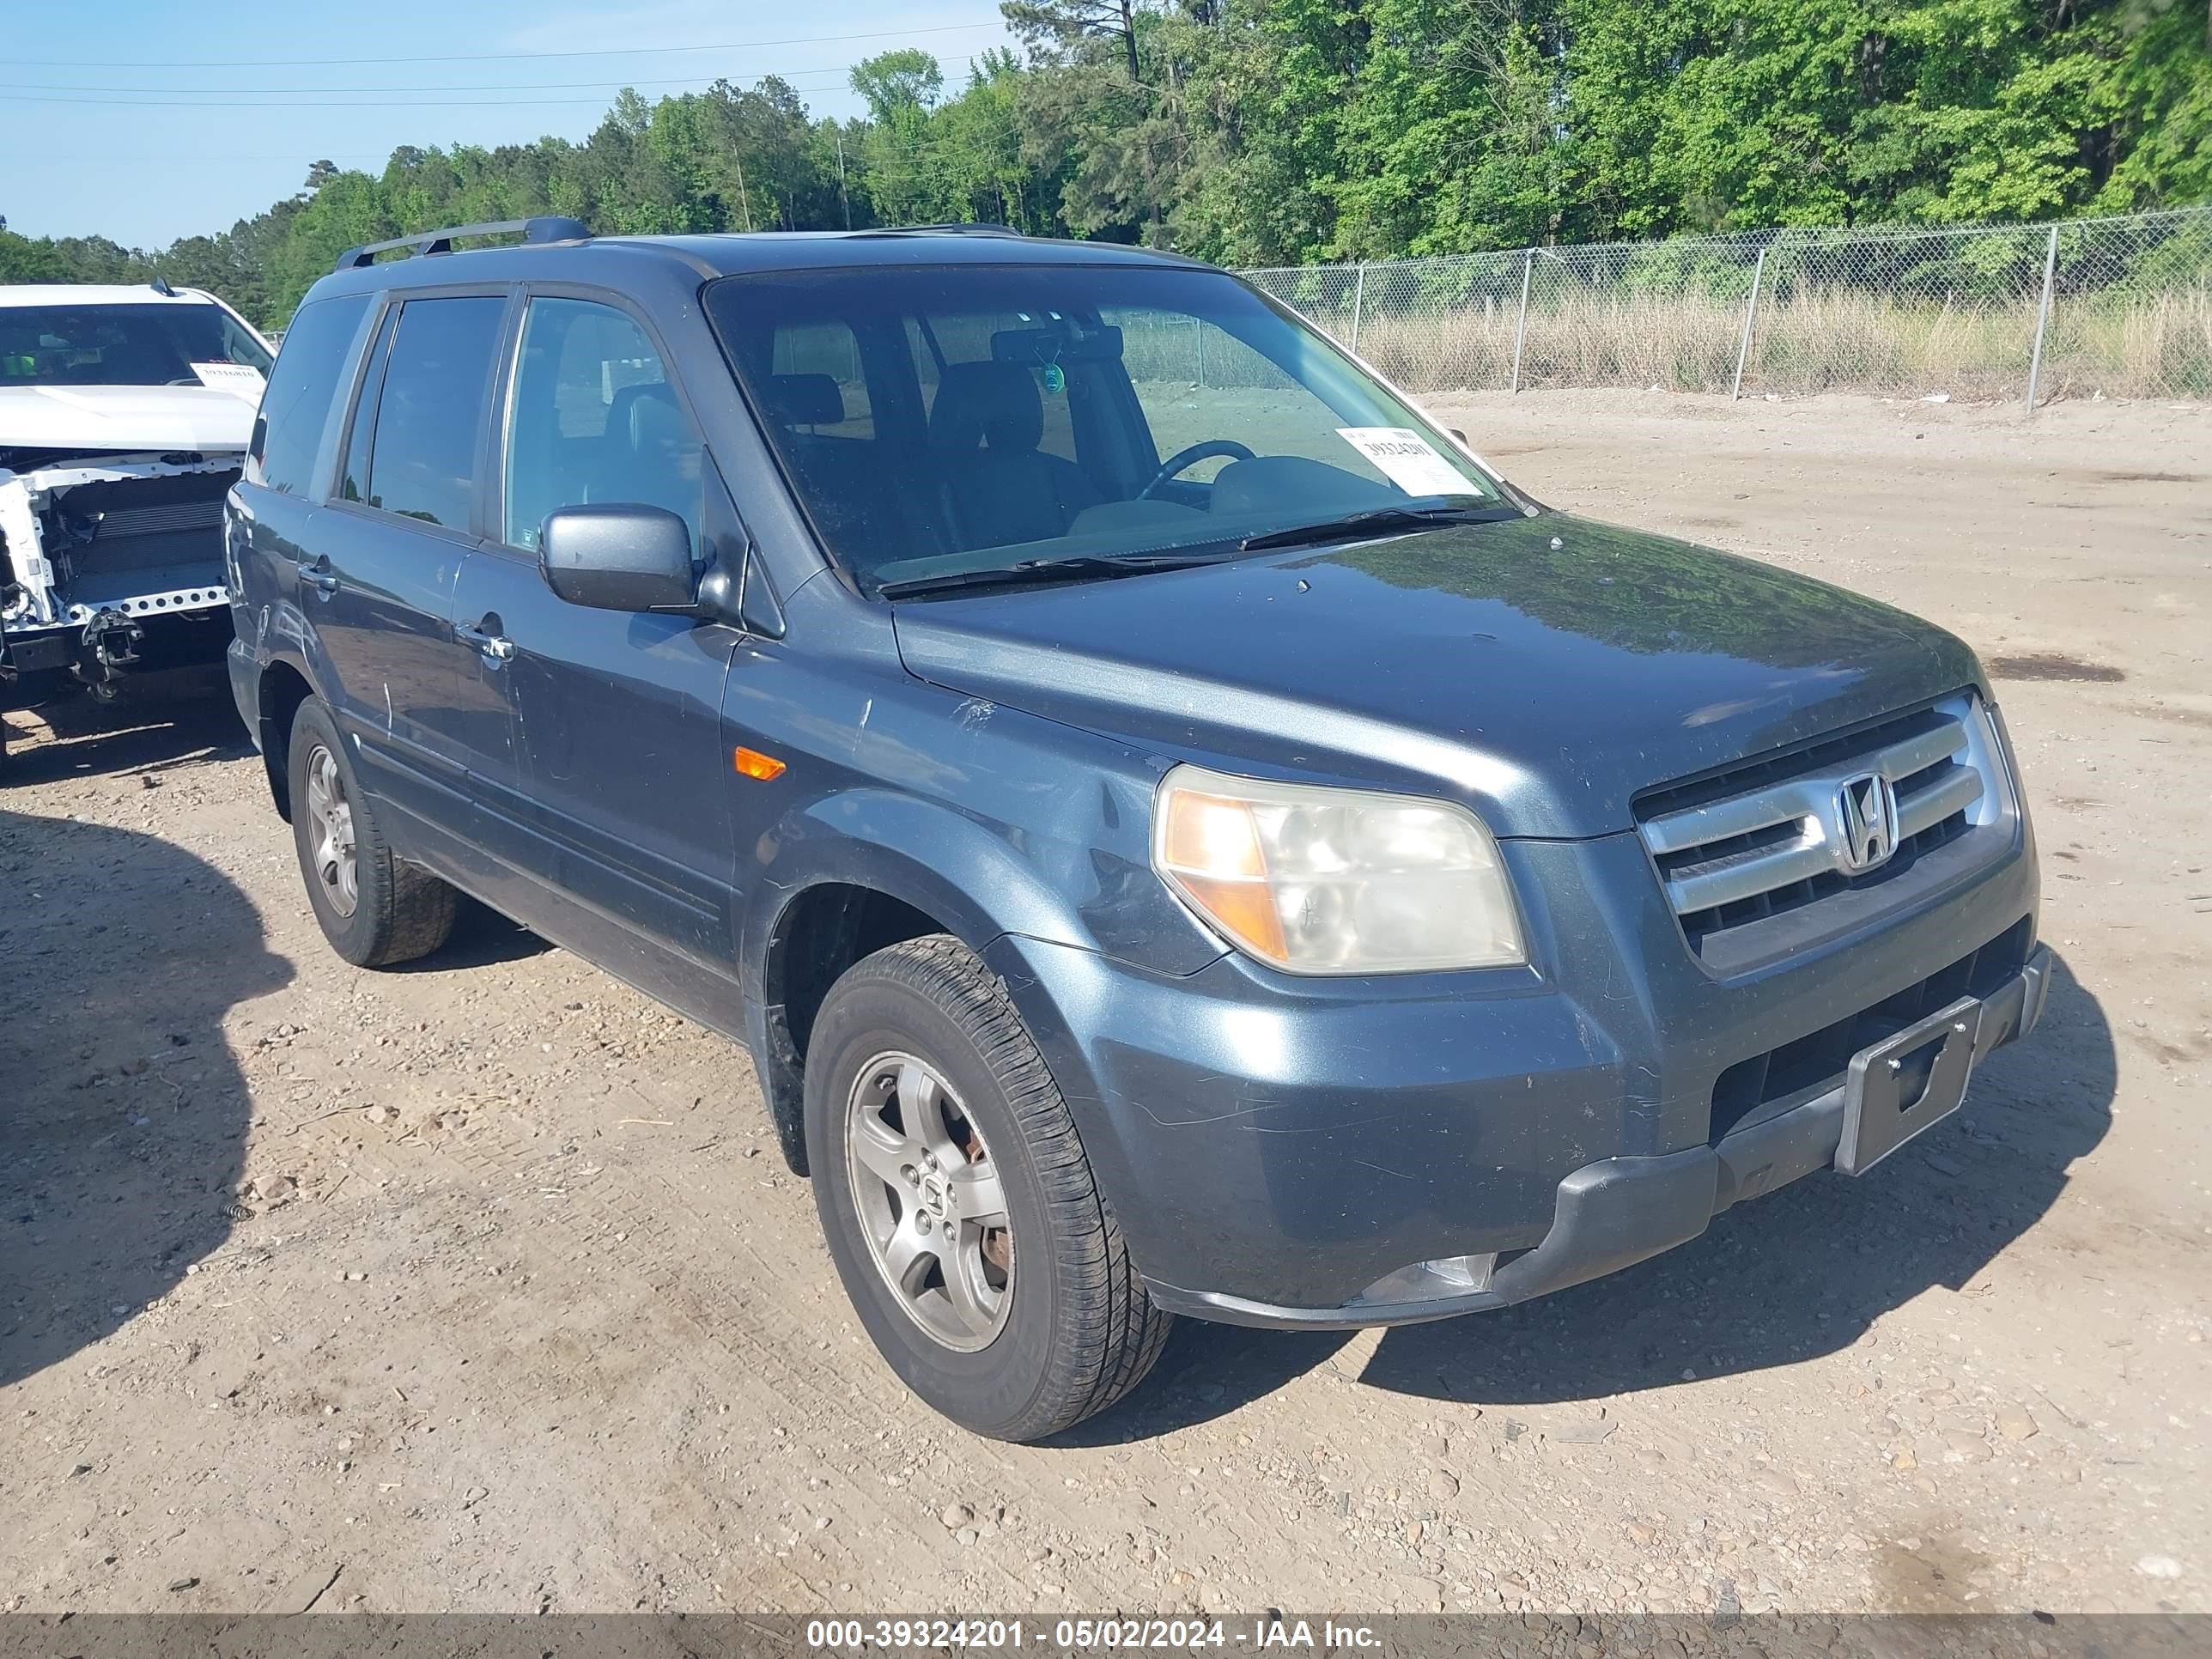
2121, 306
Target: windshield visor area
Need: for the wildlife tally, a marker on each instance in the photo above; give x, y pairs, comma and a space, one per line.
938, 420
151, 344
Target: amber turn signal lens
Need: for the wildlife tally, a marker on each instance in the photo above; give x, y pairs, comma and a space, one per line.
754, 765
1207, 835
1210, 847
1246, 909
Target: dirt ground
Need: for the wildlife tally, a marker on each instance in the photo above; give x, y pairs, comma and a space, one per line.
480, 1285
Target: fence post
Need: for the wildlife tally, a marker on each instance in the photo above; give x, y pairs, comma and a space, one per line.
1358, 302
2042, 318
1750, 310
1521, 328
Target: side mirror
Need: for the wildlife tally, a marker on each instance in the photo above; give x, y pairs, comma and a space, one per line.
618, 556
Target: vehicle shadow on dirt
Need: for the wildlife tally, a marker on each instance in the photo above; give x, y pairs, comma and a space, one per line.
1801, 1272
178, 718
122, 1116
481, 938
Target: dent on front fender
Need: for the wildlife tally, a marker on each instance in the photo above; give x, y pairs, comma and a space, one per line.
981, 881
993, 821
989, 823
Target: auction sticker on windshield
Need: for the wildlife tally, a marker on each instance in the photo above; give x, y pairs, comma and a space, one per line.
1407, 459
243, 379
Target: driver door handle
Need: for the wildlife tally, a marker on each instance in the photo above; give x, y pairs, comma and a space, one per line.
487, 638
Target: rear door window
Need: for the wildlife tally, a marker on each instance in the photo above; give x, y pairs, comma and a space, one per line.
353, 477
297, 404
437, 382
593, 418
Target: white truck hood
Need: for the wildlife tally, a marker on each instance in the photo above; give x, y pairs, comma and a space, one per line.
127, 418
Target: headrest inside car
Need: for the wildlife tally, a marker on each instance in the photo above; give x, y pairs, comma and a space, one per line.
992, 404
805, 401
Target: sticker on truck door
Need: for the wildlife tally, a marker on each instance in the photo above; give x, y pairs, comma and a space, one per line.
1407, 459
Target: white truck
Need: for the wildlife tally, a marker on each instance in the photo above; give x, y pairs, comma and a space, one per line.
125, 416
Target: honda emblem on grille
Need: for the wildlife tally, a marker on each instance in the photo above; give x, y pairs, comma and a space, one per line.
1866, 813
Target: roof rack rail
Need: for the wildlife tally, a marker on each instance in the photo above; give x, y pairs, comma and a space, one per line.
545, 227
958, 228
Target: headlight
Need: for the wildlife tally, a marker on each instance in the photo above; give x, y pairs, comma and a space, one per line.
1335, 881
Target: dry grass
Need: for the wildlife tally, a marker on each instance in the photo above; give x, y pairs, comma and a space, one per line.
2155, 345
1818, 339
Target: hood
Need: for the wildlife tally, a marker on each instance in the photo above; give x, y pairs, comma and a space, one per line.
1543, 670
127, 419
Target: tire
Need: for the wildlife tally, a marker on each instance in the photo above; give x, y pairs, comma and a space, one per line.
398, 912
1076, 1330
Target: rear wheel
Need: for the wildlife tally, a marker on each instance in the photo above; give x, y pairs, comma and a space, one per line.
374, 908
958, 1202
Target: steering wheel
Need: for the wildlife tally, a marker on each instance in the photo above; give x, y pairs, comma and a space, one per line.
1183, 458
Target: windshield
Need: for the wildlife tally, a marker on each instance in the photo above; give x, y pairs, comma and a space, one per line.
939, 420
152, 344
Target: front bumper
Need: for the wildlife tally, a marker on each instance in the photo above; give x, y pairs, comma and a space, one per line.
1620, 1211
1281, 1151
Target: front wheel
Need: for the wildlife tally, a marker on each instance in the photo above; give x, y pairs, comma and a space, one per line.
958, 1202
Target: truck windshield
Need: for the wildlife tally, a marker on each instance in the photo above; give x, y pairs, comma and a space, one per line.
152, 344
937, 421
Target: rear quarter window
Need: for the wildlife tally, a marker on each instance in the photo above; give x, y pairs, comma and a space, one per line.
301, 388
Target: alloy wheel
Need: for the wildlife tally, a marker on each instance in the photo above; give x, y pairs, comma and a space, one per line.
330, 826
931, 1205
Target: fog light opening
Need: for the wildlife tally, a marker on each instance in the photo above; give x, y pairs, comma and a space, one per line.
1432, 1281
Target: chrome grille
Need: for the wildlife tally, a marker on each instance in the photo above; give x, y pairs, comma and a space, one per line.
1773, 836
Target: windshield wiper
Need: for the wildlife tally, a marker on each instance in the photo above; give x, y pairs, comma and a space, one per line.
1043, 571
1422, 512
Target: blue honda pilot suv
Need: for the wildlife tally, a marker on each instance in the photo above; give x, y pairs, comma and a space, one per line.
1175, 831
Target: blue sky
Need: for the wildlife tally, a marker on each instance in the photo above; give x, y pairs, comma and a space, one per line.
161, 119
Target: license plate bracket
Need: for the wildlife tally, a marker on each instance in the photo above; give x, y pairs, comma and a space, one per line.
1906, 1083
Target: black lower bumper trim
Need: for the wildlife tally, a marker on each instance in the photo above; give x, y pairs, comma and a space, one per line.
1620, 1211
34, 653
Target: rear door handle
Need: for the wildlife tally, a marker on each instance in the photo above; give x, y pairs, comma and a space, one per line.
486, 637
321, 578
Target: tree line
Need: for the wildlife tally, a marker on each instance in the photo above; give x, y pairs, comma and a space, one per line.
1264, 132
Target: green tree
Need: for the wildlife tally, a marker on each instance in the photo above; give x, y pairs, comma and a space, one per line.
1280, 132
1062, 28
1696, 115
892, 82
22, 260
899, 160
1448, 131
